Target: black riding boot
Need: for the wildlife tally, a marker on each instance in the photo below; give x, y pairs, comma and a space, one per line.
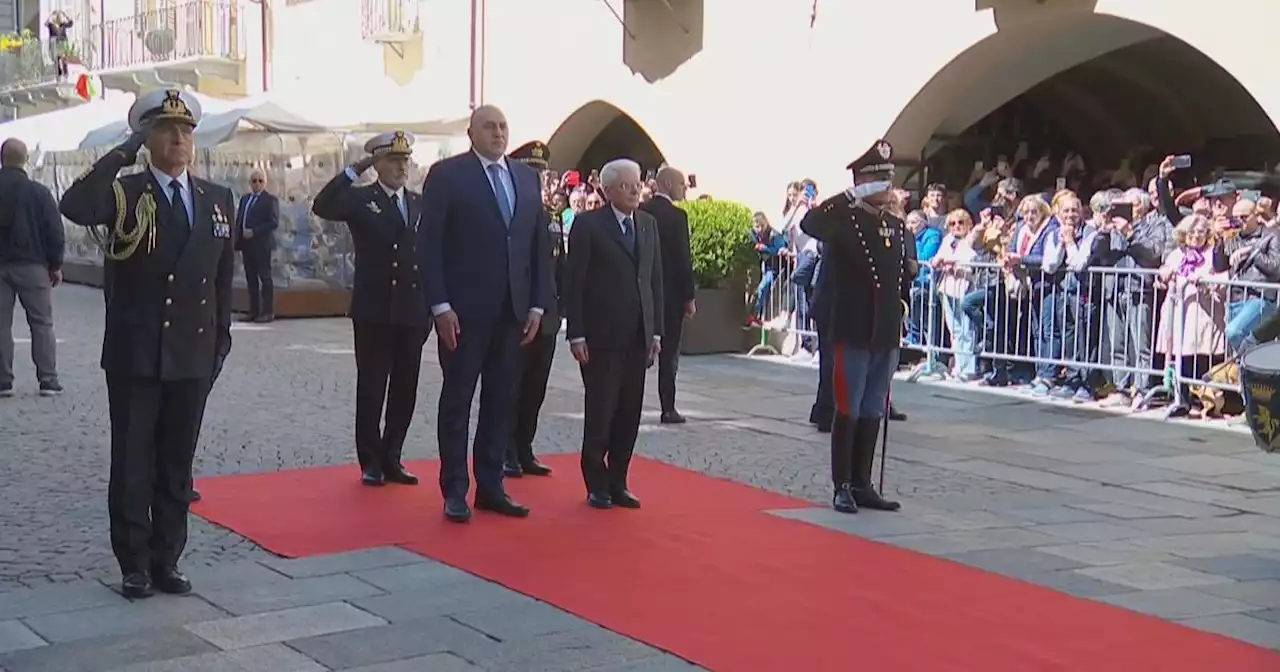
865, 433
842, 434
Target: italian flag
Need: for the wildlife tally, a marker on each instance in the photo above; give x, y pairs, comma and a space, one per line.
88, 86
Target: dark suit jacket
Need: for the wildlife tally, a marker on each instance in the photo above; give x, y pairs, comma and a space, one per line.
673, 236
263, 219
169, 306
470, 258
386, 287
614, 293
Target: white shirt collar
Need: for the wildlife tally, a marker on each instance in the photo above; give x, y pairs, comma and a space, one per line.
620, 215
485, 163
164, 180
398, 193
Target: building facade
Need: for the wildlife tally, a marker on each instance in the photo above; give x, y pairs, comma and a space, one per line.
745, 95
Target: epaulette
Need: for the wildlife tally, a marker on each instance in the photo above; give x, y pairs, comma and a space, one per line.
833, 203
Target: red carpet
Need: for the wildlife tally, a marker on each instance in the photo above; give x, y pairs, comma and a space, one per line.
702, 572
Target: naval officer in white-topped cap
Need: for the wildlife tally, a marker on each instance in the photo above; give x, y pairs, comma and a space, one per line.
168, 262
388, 311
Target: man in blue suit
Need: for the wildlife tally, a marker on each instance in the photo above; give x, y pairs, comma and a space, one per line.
483, 241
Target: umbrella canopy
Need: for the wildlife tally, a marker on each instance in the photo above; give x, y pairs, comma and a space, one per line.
64, 129
222, 119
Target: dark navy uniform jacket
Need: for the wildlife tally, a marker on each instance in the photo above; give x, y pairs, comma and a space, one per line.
863, 272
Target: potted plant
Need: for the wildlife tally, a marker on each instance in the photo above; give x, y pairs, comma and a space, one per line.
719, 246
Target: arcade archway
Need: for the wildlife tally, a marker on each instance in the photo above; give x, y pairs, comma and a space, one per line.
597, 133
1109, 88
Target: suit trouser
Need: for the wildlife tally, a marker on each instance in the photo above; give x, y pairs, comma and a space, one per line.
669, 356
535, 369
154, 427
613, 386
488, 353
30, 285
388, 358
257, 278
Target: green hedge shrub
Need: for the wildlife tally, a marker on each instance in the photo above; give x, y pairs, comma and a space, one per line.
719, 242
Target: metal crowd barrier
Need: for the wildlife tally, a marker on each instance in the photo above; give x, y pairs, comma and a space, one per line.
1101, 329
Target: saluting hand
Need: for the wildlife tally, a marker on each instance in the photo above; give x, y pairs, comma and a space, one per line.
362, 165
448, 329
531, 325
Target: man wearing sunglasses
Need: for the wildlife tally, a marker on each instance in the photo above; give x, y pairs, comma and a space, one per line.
257, 221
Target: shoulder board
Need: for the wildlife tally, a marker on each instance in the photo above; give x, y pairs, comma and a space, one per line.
834, 203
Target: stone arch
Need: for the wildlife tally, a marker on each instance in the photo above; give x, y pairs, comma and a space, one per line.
1052, 52
598, 132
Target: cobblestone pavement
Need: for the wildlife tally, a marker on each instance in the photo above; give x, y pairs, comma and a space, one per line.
1174, 520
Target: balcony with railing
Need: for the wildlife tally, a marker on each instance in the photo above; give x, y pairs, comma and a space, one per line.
389, 21
184, 43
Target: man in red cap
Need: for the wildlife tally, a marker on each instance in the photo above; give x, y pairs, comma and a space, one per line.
866, 257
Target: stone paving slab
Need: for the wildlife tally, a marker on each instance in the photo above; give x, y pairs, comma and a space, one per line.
1243, 567
388, 643
107, 653
278, 626
1177, 603
1239, 626
124, 617
14, 636
339, 563
268, 658
277, 595
435, 662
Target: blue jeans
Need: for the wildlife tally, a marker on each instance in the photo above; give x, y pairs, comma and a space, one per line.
964, 336
802, 278
860, 380
1242, 317
762, 292
1048, 331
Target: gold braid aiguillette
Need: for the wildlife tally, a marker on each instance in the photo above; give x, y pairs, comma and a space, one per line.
118, 244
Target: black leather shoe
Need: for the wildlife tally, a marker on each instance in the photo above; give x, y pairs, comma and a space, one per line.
193, 496
372, 477
171, 582
843, 501
501, 505
625, 499
456, 509
671, 418
896, 415
868, 498
511, 468
136, 586
400, 476
264, 319
535, 468
599, 500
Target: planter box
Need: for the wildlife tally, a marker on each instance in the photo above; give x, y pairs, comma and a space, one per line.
717, 326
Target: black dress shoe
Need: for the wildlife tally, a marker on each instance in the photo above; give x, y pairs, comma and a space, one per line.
193, 496
599, 500
372, 477
535, 468
400, 476
843, 500
456, 509
625, 499
896, 415
264, 319
511, 468
501, 505
671, 418
171, 582
868, 498
136, 586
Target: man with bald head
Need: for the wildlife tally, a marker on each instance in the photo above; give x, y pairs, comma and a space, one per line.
483, 242
257, 221
677, 281
31, 248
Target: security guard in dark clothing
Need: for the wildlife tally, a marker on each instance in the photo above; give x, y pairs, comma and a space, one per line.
538, 355
167, 243
388, 311
864, 259
823, 411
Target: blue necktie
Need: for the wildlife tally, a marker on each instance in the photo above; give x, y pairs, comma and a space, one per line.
179, 205
248, 204
500, 191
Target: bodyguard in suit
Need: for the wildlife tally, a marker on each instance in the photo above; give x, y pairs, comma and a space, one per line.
536, 357
865, 267
823, 411
388, 315
256, 222
677, 281
614, 304
483, 245
167, 241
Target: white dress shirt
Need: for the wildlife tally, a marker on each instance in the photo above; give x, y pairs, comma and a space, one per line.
188, 200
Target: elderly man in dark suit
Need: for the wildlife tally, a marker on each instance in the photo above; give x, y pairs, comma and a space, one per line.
677, 281
483, 247
614, 306
388, 315
257, 220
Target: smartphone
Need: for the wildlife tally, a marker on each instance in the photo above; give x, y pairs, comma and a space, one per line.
809, 191
1122, 210
650, 175
1061, 184
693, 181
1181, 161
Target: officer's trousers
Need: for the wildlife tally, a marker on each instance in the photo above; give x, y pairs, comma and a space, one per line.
860, 380
388, 358
154, 427
536, 359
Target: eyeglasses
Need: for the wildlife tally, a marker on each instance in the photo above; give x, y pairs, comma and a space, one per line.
256, 180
